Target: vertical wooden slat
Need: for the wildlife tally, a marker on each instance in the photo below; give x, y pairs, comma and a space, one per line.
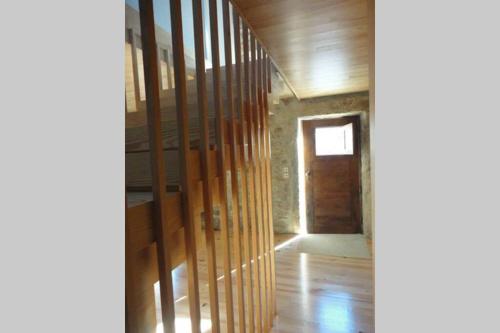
221, 159
206, 167
265, 139
269, 186
185, 166
251, 187
267, 149
244, 174
263, 184
150, 60
267, 197
128, 285
257, 172
131, 324
234, 165
257, 103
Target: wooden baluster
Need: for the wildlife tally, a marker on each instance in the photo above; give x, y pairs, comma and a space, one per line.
269, 184
234, 168
268, 189
221, 158
150, 60
129, 286
132, 322
257, 170
244, 173
251, 187
263, 186
206, 167
258, 185
265, 130
185, 164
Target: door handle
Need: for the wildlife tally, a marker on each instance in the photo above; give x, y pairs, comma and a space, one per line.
308, 173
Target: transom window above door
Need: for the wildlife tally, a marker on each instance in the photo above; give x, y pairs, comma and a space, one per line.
334, 140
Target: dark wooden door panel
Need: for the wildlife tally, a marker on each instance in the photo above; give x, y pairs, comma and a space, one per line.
330, 179
334, 205
333, 200
323, 225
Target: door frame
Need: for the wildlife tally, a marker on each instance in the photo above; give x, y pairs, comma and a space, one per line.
305, 221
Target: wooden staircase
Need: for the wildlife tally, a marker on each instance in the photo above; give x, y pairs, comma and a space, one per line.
176, 168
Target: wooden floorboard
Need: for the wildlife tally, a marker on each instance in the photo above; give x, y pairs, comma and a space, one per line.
315, 293
323, 294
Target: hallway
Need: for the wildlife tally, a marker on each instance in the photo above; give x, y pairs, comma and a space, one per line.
211, 172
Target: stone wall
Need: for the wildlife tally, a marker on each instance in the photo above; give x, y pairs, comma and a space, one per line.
284, 128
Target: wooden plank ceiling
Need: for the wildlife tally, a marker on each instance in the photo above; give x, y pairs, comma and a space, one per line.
321, 46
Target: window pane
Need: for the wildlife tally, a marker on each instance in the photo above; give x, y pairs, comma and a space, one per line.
209, 71
140, 65
348, 137
129, 79
137, 161
134, 71
334, 140
164, 69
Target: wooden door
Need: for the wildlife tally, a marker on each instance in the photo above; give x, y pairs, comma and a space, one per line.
332, 175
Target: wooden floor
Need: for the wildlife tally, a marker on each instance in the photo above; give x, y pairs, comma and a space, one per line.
315, 293
323, 294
